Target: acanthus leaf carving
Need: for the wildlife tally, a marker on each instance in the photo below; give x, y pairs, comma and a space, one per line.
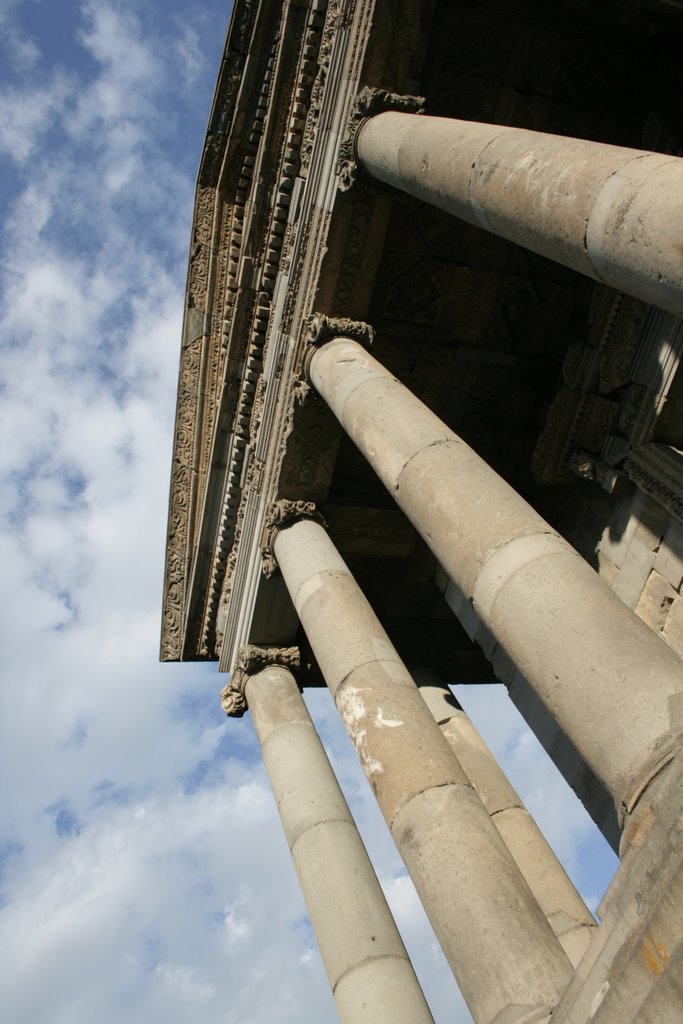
320, 328
250, 660
204, 215
367, 103
279, 516
198, 278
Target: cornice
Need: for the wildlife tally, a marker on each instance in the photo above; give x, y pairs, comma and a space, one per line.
201, 325
343, 52
245, 467
221, 378
254, 269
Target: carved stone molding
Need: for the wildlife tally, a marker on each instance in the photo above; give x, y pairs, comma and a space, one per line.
576, 420
333, 21
321, 328
366, 104
618, 321
179, 511
280, 515
590, 467
658, 470
230, 206
252, 659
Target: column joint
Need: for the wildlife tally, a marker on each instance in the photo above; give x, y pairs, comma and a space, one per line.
319, 824
465, 783
368, 960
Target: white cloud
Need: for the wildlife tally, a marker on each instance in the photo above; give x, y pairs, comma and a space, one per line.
189, 53
135, 905
27, 115
18, 49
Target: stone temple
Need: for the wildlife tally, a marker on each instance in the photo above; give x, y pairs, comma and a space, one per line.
429, 431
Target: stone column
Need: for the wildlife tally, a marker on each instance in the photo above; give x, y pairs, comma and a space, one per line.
614, 214
567, 914
602, 673
506, 959
370, 974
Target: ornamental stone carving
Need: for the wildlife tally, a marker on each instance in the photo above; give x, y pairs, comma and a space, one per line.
252, 659
367, 103
279, 516
658, 470
320, 328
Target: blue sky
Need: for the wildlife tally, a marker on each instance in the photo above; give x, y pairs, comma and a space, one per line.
143, 874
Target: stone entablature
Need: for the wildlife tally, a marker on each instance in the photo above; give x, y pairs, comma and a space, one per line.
237, 404
245, 188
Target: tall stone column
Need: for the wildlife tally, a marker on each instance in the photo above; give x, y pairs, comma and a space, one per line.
567, 914
614, 214
602, 673
370, 974
506, 959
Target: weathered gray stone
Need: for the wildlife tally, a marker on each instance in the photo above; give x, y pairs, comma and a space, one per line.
634, 573
669, 559
505, 558
356, 933
673, 628
618, 535
462, 870
566, 912
607, 212
656, 601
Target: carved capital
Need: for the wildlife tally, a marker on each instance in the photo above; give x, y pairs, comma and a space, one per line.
251, 660
321, 328
280, 515
367, 103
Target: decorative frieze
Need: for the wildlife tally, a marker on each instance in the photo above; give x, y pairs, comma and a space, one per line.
178, 520
332, 23
367, 103
280, 515
658, 470
203, 215
618, 321
252, 659
577, 420
236, 288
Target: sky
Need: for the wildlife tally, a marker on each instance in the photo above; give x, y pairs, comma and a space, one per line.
143, 872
